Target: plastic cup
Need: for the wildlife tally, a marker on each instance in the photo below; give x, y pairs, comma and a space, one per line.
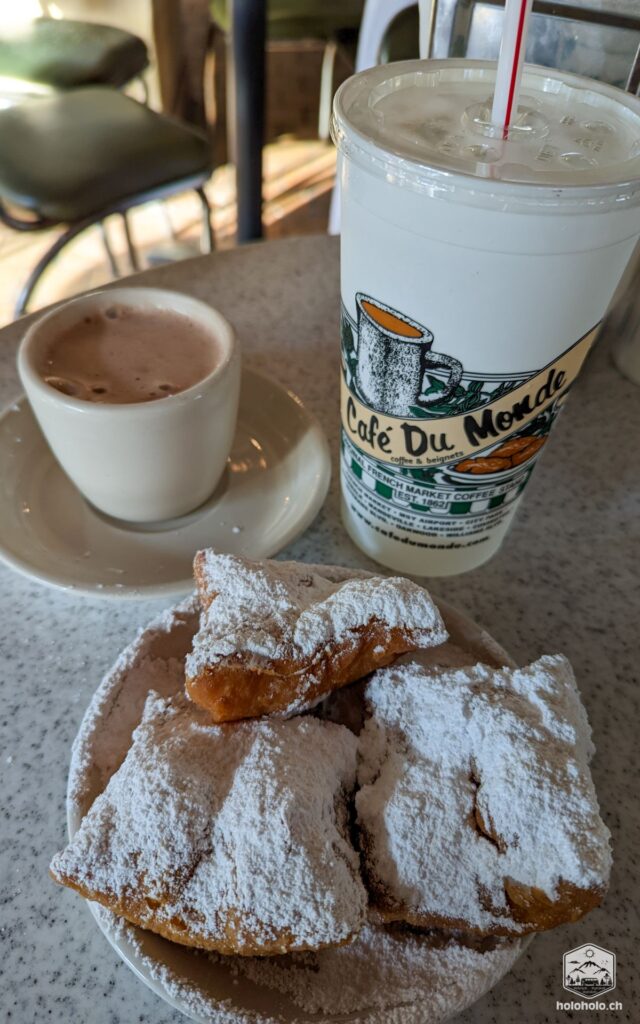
474, 274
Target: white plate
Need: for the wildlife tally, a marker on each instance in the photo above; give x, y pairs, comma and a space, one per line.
219, 990
276, 481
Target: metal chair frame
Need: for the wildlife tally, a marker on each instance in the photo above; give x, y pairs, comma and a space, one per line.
446, 21
452, 20
122, 207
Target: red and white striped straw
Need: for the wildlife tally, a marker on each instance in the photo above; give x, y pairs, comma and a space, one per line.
509, 71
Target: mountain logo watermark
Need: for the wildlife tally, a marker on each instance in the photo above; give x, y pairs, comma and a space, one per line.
589, 971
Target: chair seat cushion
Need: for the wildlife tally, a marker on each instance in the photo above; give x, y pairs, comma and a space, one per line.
69, 156
65, 54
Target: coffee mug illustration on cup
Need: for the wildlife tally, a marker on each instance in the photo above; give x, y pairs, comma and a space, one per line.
394, 353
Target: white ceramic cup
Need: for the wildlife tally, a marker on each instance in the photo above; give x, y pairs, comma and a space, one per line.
143, 461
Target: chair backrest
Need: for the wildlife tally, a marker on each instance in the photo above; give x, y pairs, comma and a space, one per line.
600, 43
377, 17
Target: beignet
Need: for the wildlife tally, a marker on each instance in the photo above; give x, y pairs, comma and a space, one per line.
477, 809
277, 637
228, 838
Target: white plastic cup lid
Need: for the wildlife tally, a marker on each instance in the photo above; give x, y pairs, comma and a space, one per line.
426, 125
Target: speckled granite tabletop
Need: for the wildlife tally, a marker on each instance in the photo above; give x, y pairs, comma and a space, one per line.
565, 580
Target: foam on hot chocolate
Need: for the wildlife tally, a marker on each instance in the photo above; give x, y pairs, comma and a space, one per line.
122, 355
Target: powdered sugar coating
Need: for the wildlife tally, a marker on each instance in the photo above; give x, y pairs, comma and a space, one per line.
241, 823
444, 749
381, 977
287, 611
386, 971
153, 661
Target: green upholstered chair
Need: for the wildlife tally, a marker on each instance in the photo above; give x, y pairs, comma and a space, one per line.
66, 54
76, 157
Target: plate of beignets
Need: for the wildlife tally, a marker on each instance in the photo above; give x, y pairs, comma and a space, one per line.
238, 866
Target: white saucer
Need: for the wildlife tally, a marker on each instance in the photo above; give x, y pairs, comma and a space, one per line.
223, 990
276, 481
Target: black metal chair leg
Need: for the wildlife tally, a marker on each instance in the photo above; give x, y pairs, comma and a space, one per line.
106, 242
134, 262
76, 229
27, 289
208, 234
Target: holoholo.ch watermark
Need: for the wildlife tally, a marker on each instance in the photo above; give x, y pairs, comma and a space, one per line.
588, 972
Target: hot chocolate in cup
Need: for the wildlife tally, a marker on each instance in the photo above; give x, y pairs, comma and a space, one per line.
136, 391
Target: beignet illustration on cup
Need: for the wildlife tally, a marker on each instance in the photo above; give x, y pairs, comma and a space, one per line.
512, 453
